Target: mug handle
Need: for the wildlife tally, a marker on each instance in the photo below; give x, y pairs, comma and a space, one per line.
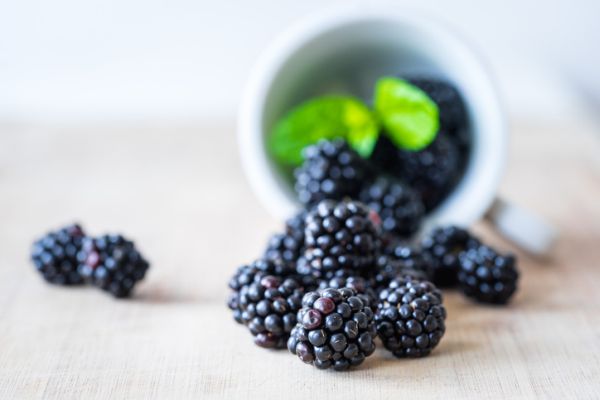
521, 226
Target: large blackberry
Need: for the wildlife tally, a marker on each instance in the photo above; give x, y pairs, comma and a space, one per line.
486, 276
269, 307
452, 110
433, 171
111, 263
403, 260
331, 170
340, 235
335, 329
410, 318
253, 273
55, 255
288, 246
399, 207
444, 244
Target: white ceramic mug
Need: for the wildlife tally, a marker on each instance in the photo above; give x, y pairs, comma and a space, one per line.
346, 51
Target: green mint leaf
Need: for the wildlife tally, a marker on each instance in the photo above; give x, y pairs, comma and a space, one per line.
409, 116
325, 117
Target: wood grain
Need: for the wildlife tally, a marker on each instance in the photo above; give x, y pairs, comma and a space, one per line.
178, 190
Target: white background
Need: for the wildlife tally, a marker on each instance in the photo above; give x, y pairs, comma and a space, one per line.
131, 59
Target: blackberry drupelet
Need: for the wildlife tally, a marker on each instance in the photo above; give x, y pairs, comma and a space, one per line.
410, 319
486, 276
269, 307
288, 246
433, 171
55, 255
340, 236
112, 263
399, 207
335, 329
331, 170
444, 245
452, 110
403, 260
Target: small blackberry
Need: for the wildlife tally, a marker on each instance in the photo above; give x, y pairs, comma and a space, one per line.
399, 207
55, 255
288, 246
486, 276
340, 235
335, 329
111, 263
444, 245
452, 110
402, 260
433, 171
269, 307
331, 170
253, 273
410, 318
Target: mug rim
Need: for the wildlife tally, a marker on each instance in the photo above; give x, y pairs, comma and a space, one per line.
472, 196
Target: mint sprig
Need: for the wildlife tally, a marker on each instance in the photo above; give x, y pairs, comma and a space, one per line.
409, 116
325, 117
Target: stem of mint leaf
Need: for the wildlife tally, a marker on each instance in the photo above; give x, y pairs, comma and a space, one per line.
325, 117
409, 116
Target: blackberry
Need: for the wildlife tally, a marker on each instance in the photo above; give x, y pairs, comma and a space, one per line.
335, 329
410, 319
486, 276
253, 273
399, 207
340, 236
403, 260
55, 255
452, 110
444, 245
288, 246
111, 263
269, 307
433, 171
331, 170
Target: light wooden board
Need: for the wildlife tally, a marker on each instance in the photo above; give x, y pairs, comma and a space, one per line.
178, 190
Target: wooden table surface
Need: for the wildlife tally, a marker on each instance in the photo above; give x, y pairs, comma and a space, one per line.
179, 192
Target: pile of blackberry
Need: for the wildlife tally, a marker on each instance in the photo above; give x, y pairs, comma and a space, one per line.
69, 257
350, 254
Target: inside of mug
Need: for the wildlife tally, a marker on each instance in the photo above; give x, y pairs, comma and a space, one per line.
348, 58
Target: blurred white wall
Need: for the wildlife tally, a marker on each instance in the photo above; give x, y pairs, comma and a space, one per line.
130, 59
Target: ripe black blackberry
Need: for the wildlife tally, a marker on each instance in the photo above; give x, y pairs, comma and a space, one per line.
55, 255
410, 319
253, 273
288, 246
331, 170
335, 329
444, 245
452, 110
399, 207
111, 263
486, 276
269, 307
402, 260
433, 171
340, 236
